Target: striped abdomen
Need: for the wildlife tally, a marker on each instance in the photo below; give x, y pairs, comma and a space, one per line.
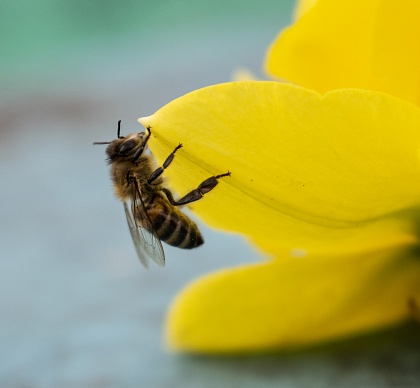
172, 226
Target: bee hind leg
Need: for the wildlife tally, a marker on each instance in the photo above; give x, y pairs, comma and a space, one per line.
196, 194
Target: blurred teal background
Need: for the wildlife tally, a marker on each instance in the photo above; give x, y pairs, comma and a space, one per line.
76, 307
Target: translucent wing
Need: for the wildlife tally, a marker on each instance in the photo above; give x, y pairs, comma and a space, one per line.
146, 242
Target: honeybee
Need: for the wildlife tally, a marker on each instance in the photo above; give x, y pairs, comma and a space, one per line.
152, 213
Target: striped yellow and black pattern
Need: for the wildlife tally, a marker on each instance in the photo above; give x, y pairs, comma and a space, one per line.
171, 225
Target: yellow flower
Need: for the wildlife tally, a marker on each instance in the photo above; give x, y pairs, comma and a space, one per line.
328, 185
352, 44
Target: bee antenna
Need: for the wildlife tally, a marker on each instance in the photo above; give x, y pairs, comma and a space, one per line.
101, 142
118, 132
118, 135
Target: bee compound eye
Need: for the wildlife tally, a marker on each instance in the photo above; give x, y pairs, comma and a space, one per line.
127, 147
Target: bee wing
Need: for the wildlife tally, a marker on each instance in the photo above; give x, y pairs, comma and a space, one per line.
135, 235
146, 242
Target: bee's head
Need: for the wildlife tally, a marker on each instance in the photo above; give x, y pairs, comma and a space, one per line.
131, 146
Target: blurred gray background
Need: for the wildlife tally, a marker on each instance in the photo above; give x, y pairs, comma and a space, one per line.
76, 307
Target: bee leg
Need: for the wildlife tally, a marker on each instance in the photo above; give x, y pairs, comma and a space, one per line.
139, 152
196, 194
158, 172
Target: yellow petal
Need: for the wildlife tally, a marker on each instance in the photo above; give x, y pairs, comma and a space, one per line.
293, 303
310, 173
352, 43
303, 6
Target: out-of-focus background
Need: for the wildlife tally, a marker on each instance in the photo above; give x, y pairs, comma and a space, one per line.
76, 307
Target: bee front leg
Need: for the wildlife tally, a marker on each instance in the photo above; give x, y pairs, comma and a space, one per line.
158, 172
196, 194
139, 152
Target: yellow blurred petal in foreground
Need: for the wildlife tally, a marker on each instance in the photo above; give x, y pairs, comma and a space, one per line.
310, 173
293, 303
352, 43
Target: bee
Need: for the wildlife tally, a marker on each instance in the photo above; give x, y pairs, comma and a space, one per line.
152, 213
